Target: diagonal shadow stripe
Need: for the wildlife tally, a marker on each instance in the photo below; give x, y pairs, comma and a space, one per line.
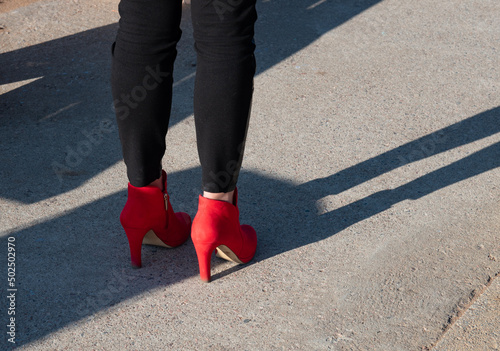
472, 129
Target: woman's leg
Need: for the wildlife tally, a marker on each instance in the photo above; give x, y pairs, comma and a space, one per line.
143, 59
223, 33
142, 67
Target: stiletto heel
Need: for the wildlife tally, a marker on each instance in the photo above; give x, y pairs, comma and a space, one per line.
204, 253
148, 218
135, 237
217, 226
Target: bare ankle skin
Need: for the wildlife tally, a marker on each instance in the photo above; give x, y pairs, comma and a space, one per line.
228, 197
157, 183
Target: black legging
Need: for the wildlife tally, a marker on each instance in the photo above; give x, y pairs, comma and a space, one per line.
142, 67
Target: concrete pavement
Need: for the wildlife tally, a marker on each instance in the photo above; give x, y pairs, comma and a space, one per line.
371, 176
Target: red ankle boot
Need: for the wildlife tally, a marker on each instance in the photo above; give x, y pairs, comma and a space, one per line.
217, 226
148, 218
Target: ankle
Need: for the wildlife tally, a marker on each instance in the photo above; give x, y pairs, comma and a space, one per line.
227, 197
157, 183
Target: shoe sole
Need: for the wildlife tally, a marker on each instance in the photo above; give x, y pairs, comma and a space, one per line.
151, 239
226, 253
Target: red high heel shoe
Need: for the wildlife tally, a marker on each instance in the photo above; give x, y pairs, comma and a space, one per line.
148, 218
216, 226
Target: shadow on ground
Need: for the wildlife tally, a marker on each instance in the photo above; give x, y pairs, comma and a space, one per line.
77, 264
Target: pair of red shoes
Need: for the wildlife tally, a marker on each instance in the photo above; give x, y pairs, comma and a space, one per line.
148, 218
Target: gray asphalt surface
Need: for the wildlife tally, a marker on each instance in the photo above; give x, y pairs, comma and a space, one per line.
371, 175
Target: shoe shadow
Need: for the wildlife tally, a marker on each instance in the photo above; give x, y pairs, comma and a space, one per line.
75, 265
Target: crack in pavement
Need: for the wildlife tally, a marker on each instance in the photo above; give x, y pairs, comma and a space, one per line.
462, 307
